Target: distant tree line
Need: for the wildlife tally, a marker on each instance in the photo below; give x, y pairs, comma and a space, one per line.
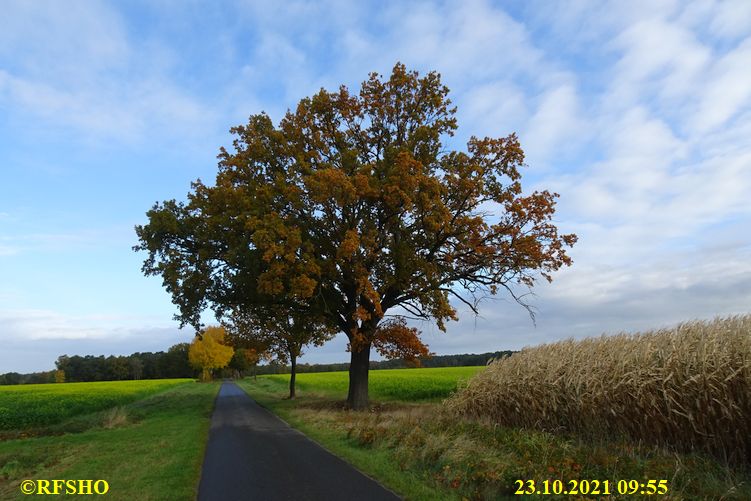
174, 363
32, 378
465, 359
160, 365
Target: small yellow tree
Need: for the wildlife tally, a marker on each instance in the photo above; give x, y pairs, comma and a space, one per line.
59, 376
208, 351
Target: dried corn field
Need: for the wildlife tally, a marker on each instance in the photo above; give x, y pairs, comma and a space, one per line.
688, 387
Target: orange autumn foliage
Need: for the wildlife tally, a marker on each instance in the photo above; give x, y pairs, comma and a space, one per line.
393, 339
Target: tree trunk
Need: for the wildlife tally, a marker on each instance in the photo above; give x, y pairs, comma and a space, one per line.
292, 375
357, 397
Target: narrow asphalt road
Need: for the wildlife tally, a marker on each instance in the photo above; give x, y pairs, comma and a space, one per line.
254, 455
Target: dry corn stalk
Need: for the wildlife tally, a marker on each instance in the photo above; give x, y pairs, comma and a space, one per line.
688, 387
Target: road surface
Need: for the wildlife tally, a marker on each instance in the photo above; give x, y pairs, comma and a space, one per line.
254, 455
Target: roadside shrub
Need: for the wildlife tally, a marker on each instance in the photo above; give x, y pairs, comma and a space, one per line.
688, 387
115, 418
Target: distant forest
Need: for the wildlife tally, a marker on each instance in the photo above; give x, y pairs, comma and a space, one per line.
174, 364
434, 361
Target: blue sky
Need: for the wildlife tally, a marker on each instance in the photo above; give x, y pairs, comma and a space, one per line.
637, 113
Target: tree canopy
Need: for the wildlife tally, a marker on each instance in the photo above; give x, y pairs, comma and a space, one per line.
208, 351
282, 331
353, 206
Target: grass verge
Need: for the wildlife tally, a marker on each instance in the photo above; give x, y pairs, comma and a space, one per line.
423, 452
151, 449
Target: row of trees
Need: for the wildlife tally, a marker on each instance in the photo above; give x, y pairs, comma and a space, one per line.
160, 365
350, 216
31, 378
203, 357
465, 359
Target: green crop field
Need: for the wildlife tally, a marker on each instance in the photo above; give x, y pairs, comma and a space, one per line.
389, 384
149, 449
27, 406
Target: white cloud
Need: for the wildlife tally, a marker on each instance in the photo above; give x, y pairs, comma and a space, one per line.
660, 57
467, 41
69, 41
728, 89
24, 355
35, 325
556, 125
731, 19
39, 326
494, 109
74, 65
125, 112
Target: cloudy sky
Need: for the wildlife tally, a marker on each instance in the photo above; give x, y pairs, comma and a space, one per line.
638, 114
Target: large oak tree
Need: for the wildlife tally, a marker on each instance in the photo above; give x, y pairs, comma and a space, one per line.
354, 206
